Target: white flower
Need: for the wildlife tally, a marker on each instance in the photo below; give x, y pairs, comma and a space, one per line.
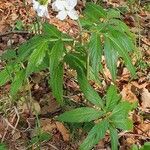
65, 8
41, 10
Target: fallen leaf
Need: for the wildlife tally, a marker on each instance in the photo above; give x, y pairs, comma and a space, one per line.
64, 132
127, 94
16, 135
145, 99
47, 125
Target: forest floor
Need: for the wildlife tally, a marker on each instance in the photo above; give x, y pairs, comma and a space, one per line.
18, 124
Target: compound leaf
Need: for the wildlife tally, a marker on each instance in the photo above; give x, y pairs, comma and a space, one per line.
114, 138
83, 114
96, 134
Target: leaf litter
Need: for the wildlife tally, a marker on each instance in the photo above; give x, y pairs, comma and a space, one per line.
135, 91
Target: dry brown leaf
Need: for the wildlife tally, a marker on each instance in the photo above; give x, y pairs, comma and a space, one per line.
64, 132
127, 94
145, 99
144, 127
16, 135
47, 125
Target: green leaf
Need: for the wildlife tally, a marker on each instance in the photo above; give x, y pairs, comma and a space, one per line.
95, 135
9, 55
121, 110
112, 98
114, 138
25, 50
96, 11
56, 83
111, 57
42, 137
5, 75
55, 55
85, 22
134, 147
146, 146
119, 116
17, 82
36, 57
3, 146
121, 26
124, 124
56, 70
122, 52
51, 30
124, 40
88, 91
75, 61
112, 13
95, 52
83, 114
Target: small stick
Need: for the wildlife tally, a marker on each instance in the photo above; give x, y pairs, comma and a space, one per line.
14, 32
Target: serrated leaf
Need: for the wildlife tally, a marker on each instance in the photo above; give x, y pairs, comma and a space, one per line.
25, 50
5, 75
9, 55
121, 26
122, 52
96, 11
95, 52
83, 114
124, 124
114, 138
85, 22
119, 116
56, 83
75, 61
17, 82
50, 30
36, 57
124, 40
112, 13
112, 98
56, 55
121, 110
146, 146
95, 135
111, 57
88, 91
3, 146
56, 70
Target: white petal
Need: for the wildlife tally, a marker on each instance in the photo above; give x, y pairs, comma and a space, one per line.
62, 15
42, 11
72, 3
59, 5
73, 14
35, 4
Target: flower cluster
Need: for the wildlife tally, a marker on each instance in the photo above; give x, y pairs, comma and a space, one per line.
63, 7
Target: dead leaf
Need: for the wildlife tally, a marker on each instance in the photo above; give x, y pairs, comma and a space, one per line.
145, 99
127, 94
47, 125
144, 127
16, 135
64, 132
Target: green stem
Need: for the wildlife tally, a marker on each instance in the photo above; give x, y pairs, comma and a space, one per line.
87, 52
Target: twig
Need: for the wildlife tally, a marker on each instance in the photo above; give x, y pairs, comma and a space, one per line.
9, 124
18, 118
14, 32
54, 147
3, 138
134, 135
